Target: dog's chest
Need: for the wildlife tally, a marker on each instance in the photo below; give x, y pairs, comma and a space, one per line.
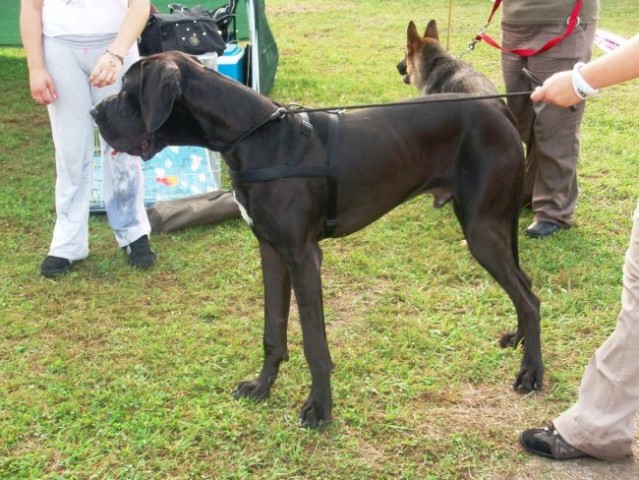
243, 210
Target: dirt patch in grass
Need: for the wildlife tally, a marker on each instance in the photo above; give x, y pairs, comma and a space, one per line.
500, 416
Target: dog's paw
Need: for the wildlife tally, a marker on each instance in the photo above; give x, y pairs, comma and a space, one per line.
510, 340
253, 390
313, 415
528, 380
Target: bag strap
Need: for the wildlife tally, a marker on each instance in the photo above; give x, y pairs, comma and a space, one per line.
177, 7
573, 21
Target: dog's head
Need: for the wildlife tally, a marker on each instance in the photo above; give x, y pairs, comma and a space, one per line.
419, 50
131, 121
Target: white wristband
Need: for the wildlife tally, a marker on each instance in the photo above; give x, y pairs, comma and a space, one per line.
582, 89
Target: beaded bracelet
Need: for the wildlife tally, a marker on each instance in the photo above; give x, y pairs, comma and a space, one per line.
115, 56
582, 88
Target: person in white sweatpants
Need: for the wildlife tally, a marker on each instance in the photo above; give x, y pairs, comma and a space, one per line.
77, 52
601, 423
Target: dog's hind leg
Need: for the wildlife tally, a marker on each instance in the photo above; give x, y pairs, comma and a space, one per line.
513, 339
277, 301
489, 242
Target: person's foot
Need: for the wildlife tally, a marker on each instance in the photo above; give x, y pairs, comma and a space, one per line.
140, 253
547, 442
542, 229
53, 267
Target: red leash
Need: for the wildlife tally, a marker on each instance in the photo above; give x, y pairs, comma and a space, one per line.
573, 21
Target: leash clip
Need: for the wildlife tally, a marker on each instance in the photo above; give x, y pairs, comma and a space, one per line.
279, 113
532, 77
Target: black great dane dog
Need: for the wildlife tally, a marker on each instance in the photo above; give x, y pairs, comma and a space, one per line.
302, 177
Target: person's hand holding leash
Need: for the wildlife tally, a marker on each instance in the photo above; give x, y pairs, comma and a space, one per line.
557, 90
570, 87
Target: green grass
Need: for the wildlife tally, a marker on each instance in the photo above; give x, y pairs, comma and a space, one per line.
111, 372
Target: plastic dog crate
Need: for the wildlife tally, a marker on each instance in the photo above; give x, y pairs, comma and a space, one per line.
174, 173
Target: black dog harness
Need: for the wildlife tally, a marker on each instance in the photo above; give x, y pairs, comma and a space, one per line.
293, 169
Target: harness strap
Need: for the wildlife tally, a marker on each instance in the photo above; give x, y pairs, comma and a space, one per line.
276, 115
280, 171
333, 168
573, 21
292, 168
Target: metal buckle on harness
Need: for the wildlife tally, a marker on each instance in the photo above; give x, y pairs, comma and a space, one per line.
307, 128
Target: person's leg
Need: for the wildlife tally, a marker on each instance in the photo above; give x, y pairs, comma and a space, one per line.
72, 131
556, 133
556, 150
123, 187
123, 183
520, 106
601, 423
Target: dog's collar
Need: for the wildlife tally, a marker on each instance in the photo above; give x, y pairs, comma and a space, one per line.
276, 115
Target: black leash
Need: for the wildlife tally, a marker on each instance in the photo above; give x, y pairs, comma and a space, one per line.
426, 99
276, 115
294, 109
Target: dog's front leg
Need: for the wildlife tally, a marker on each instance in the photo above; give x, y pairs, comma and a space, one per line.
277, 301
305, 268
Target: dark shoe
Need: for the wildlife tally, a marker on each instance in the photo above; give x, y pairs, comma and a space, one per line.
54, 266
548, 443
140, 253
542, 229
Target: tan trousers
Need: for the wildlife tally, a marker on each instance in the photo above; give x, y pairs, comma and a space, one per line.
550, 133
601, 423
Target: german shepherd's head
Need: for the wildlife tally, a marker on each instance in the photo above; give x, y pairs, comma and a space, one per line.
420, 50
431, 69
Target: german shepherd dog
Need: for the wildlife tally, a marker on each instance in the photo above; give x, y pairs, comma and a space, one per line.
431, 69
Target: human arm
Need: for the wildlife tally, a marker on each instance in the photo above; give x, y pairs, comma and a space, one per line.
615, 67
40, 83
109, 65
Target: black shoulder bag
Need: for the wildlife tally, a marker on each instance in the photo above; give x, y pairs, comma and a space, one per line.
188, 30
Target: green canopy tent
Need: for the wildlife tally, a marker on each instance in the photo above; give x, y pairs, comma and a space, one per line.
252, 26
9, 23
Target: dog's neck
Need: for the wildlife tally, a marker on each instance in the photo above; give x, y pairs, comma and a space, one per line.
435, 57
225, 111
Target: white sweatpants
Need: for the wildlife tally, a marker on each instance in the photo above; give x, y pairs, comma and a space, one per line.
70, 61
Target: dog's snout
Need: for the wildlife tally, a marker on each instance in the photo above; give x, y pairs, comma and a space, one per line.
95, 113
401, 67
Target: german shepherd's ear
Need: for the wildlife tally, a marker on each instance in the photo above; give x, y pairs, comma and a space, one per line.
431, 31
159, 88
413, 39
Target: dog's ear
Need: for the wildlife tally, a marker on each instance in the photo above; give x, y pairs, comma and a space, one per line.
431, 30
159, 88
413, 40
